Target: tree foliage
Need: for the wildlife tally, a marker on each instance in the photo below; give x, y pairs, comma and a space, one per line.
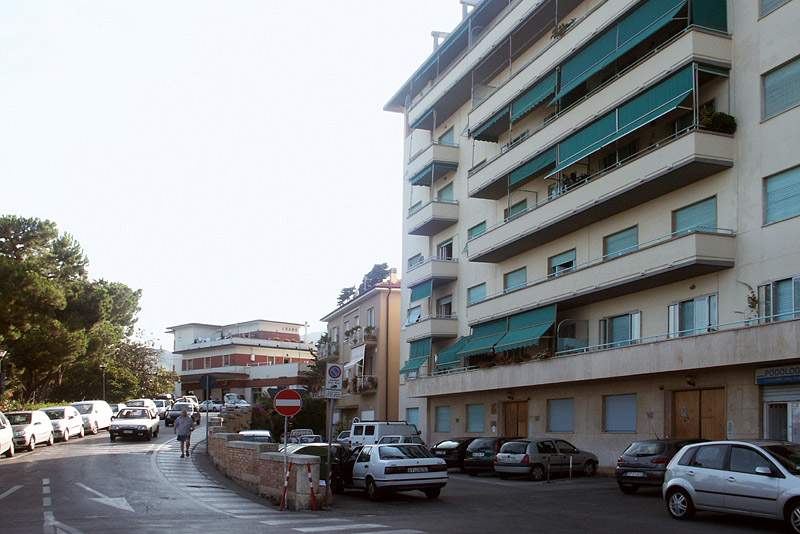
345, 294
376, 275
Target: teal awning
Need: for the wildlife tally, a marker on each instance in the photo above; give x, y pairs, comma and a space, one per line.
527, 328
449, 357
711, 14
586, 141
484, 337
533, 166
426, 68
420, 349
418, 123
451, 39
429, 174
631, 31
413, 365
421, 291
533, 96
480, 133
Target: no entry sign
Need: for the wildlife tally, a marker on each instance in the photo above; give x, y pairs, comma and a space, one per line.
288, 402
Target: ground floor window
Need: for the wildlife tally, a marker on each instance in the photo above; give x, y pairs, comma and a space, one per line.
561, 415
619, 413
443, 418
412, 416
474, 417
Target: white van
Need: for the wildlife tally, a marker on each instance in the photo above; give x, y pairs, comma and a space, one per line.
96, 415
370, 432
6, 437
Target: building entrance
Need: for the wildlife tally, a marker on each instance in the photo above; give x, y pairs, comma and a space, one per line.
516, 414
699, 414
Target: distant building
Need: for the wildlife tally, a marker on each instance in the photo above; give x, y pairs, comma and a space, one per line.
364, 335
171, 362
244, 358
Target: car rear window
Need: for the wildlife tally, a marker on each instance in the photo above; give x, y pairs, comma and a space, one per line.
397, 452
178, 407
514, 447
19, 418
646, 448
481, 444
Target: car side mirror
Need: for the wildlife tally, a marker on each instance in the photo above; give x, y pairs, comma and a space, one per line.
762, 470
37, 423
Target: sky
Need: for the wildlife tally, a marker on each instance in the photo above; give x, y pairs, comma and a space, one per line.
230, 159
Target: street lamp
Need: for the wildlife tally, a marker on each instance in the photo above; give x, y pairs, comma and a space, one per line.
103, 367
2, 379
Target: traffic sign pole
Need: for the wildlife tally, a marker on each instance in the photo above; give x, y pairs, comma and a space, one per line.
330, 467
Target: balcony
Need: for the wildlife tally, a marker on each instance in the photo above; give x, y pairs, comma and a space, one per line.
361, 336
437, 327
658, 262
431, 163
431, 218
361, 385
660, 169
328, 351
440, 271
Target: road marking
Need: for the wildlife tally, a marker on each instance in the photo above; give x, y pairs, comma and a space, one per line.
46, 490
51, 526
45, 481
9, 492
314, 519
46, 501
348, 527
400, 531
116, 502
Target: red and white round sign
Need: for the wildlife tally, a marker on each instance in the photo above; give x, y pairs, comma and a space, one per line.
288, 402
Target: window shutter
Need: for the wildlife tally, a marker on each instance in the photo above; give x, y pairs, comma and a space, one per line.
701, 216
782, 195
782, 89
622, 242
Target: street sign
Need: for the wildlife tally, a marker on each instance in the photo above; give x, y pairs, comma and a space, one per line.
333, 379
333, 393
288, 402
208, 382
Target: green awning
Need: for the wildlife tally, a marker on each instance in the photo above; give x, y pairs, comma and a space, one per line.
479, 132
420, 349
421, 291
586, 141
711, 14
527, 328
634, 29
484, 337
449, 357
418, 124
533, 166
413, 365
432, 172
451, 39
533, 97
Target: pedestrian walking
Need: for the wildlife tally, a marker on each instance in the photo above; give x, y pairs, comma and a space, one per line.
184, 425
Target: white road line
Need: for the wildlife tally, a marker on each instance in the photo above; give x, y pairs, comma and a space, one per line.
348, 527
46, 501
9, 492
400, 531
45, 481
311, 519
46, 490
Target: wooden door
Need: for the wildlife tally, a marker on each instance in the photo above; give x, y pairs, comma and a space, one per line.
712, 414
686, 414
516, 419
699, 414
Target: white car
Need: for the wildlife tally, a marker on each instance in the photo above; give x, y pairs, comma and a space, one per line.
6, 437
210, 406
31, 428
384, 468
66, 422
96, 415
141, 422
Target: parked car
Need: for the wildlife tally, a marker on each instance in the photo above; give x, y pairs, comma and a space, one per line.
66, 422
644, 462
538, 458
759, 478
141, 422
297, 433
343, 438
189, 398
6, 437
141, 403
401, 439
169, 397
370, 432
311, 438
238, 403
338, 454
481, 454
96, 415
382, 468
210, 405
175, 412
115, 408
452, 451
261, 436
31, 428
162, 405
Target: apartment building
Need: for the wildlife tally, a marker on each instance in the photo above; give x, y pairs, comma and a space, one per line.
363, 334
602, 223
245, 358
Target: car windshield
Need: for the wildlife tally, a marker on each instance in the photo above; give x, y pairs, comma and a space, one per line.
83, 408
160, 403
646, 448
133, 414
788, 455
399, 452
135, 403
182, 406
55, 414
19, 418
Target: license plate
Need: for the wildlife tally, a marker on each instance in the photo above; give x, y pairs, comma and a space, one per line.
127, 431
477, 454
635, 474
417, 469
442, 453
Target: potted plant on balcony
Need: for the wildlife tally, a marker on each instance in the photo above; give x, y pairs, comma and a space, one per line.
369, 333
716, 121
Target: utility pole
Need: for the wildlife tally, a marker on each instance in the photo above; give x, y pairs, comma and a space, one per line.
2, 379
103, 367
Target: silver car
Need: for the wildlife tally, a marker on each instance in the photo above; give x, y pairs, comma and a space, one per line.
66, 422
757, 478
31, 428
540, 458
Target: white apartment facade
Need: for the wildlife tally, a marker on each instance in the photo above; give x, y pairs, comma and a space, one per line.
593, 251
245, 358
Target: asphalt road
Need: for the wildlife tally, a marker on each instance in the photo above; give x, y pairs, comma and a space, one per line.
92, 485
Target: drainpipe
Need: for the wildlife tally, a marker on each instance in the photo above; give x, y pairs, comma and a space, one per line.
386, 366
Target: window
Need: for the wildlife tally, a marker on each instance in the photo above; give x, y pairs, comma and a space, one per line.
691, 317
476, 230
768, 6
335, 334
412, 416
515, 279
346, 327
781, 88
445, 194
443, 418
206, 363
562, 263
621, 330
779, 300
226, 360
371, 317
516, 210
623, 242
620, 413
369, 430
699, 216
445, 250
475, 418
413, 315
448, 138
710, 456
444, 306
476, 294
745, 460
413, 261
561, 415
357, 320
782, 196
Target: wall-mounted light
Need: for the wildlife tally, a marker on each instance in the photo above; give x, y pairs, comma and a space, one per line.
690, 380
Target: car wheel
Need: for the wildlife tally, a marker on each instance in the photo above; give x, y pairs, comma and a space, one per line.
112, 437
32, 443
82, 432
10, 451
149, 435
589, 469
792, 514
66, 435
679, 504
93, 429
628, 489
433, 493
155, 434
373, 493
537, 472
471, 472
50, 440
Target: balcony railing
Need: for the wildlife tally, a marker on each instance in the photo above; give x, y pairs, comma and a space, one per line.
359, 336
328, 350
360, 384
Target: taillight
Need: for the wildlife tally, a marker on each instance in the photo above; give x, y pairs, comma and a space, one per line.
659, 461
620, 460
526, 459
